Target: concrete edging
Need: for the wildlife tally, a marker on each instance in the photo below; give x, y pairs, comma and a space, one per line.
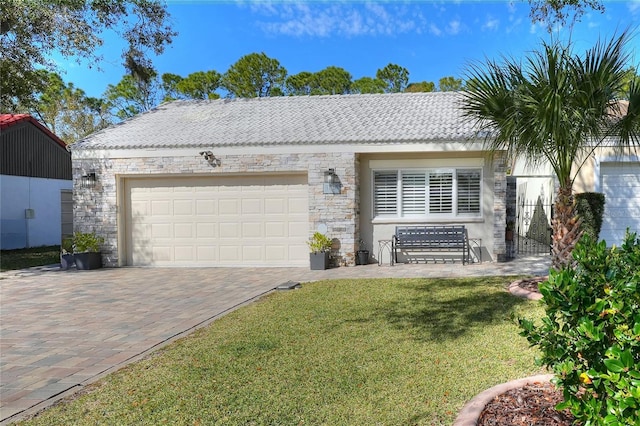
471, 411
516, 290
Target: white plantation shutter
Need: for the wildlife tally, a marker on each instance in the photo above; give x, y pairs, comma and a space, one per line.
385, 197
440, 192
468, 191
414, 196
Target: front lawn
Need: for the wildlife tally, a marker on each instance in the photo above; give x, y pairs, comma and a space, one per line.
26, 258
343, 352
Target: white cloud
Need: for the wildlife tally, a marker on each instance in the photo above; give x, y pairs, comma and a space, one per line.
454, 27
491, 24
323, 19
433, 29
634, 7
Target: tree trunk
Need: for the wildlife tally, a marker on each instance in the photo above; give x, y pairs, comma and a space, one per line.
566, 229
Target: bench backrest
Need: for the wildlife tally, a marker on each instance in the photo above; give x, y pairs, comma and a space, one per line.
442, 234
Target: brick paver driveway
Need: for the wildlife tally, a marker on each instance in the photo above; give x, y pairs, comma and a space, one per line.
61, 330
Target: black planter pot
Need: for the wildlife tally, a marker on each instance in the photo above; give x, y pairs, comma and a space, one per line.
362, 257
319, 261
86, 261
67, 261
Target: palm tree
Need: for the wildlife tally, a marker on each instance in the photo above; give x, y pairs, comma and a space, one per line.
557, 107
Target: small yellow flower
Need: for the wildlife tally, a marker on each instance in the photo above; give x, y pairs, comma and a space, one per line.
584, 378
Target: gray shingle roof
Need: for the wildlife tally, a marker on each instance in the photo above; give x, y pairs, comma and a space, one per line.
297, 120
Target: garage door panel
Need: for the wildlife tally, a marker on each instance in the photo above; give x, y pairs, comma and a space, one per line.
162, 253
276, 253
230, 254
206, 207
252, 230
251, 206
621, 188
252, 253
227, 220
161, 230
229, 230
183, 230
228, 206
275, 229
182, 207
298, 205
206, 230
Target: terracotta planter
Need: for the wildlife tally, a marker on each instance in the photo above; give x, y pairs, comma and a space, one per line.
89, 260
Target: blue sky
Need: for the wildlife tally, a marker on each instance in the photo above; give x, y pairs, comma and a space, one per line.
432, 39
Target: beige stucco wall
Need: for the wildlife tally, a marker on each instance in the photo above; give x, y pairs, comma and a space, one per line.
489, 228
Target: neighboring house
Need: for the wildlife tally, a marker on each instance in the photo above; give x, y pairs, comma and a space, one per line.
240, 182
615, 174
35, 184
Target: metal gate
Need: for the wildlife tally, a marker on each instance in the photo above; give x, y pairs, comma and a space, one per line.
533, 227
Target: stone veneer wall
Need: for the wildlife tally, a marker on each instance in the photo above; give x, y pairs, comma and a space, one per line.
499, 206
96, 209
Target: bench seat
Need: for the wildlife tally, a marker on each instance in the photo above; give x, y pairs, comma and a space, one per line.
431, 238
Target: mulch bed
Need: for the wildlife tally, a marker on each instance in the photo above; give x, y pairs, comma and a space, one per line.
533, 404
530, 405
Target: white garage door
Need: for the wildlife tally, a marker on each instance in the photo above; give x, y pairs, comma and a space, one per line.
218, 221
621, 188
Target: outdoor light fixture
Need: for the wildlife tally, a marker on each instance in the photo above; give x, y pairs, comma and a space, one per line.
210, 158
331, 182
88, 179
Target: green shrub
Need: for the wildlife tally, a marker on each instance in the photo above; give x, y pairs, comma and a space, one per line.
86, 242
590, 334
590, 207
319, 243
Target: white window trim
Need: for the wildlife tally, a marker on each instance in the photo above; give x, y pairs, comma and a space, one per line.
430, 218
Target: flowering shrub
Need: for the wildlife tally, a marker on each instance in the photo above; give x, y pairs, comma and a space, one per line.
590, 334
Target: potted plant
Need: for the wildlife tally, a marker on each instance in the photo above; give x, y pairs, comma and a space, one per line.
67, 259
319, 246
362, 255
86, 250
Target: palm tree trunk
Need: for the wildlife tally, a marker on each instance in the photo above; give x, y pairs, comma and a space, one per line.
566, 229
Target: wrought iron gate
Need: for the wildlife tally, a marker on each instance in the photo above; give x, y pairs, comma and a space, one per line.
533, 227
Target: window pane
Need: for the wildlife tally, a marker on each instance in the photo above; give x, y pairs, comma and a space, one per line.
414, 196
385, 193
468, 191
440, 192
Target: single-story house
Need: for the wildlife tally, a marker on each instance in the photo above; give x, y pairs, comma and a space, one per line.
611, 172
243, 182
35, 184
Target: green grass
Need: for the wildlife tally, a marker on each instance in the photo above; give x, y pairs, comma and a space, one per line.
343, 352
26, 258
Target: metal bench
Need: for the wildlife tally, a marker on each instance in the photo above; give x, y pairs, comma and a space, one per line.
431, 238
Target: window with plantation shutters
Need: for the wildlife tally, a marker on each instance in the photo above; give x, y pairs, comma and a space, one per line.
468, 191
440, 192
385, 198
414, 195
427, 193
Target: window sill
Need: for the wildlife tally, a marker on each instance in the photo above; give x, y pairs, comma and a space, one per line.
392, 220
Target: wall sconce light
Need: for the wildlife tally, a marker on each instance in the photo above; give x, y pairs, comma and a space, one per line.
210, 158
331, 182
88, 179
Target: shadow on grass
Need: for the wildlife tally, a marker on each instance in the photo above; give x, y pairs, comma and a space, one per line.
451, 308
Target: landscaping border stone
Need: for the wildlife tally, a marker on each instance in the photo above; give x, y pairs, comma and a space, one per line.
471, 411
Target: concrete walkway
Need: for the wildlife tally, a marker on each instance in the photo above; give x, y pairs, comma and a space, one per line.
61, 330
